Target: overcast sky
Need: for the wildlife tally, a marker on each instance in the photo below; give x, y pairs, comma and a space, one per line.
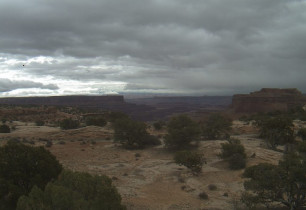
196, 47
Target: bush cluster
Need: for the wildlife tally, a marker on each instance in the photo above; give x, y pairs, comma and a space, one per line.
97, 121
216, 127
31, 178
5, 129
181, 131
22, 167
133, 134
282, 184
234, 152
39, 123
302, 133
69, 124
193, 161
74, 190
158, 125
276, 130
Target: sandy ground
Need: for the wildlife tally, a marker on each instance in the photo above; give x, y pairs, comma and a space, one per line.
152, 180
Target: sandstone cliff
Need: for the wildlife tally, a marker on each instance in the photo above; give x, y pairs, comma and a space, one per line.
268, 99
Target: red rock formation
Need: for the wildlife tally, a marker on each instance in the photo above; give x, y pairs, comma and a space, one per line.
268, 99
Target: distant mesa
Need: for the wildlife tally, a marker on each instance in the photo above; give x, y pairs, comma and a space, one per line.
79, 100
268, 99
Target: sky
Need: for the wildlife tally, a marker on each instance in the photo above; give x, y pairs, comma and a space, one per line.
194, 47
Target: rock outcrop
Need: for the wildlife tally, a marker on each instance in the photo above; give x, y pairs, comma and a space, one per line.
268, 99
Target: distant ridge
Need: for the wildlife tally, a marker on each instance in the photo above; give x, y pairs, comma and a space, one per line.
268, 99
70, 100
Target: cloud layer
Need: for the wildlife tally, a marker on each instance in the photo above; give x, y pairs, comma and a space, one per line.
175, 46
7, 85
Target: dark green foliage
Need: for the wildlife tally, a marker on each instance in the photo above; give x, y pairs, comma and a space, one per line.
158, 125
22, 167
131, 134
284, 183
49, 143
302, 147
181, 131
276, 130
114, 116
40, 123
234, 152
232, 147
74, 191
97, 121
193, 161
237, 161
150, 140
302, 133
216, 127
212, 187
203, 195
4, 129
69, 124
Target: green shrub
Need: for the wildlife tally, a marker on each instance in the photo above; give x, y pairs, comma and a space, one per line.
276, 130
237, 161
69, 124
151, 140
203, 195
181, 131
75, 191
302, 147
158, 125
232, 147
40, 123
302, 133
114, 116
4, 129
193, 161
131, 134
217, 126
212, 187
234, 152
97, 121
282, 184
22, 167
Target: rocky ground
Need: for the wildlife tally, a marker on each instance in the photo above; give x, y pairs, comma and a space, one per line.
149, 179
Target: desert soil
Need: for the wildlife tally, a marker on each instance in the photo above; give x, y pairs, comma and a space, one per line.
152, 180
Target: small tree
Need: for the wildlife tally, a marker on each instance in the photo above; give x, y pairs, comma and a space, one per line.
69, 124
234, 152
181, 131
39, 122
193, 161
5, 129
217, 126
276, 130
130, 133
302, 133
22, 167
74, 190
158, 125
97, 121
284, 183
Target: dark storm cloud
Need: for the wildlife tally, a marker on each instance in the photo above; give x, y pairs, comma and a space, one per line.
216, 46
7, 85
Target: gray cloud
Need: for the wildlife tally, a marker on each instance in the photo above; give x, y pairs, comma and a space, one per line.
7, 85
213, 46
